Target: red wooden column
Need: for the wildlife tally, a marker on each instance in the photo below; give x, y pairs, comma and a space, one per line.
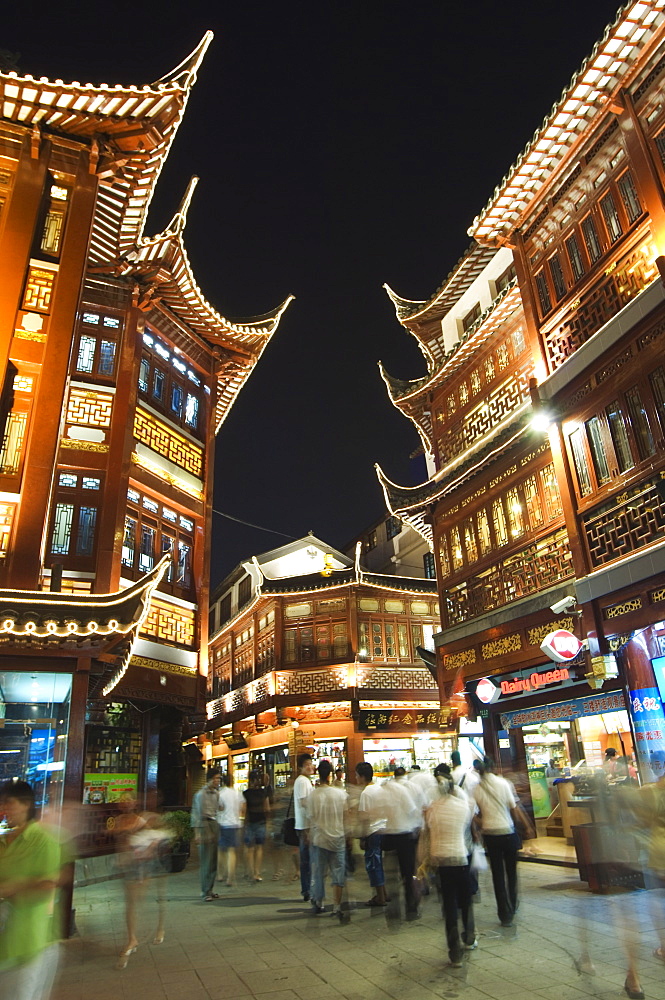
25, 557
118, 469
644, 169
529, 304
20, 218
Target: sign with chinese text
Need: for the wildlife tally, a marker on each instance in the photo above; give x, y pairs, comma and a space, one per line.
646, 710
403, 719
593, 704
561, 645
101, 788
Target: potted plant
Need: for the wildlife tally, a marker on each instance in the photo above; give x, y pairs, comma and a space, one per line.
179, 824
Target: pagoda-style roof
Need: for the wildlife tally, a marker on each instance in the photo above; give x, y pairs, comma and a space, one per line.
583, 103
413, 503
130, 128
162, 267
423, 319
83, 620
411, 398
309, 583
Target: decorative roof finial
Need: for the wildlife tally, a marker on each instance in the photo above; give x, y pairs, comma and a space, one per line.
185, 72
179, 220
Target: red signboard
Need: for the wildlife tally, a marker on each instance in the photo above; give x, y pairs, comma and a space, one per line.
561, 646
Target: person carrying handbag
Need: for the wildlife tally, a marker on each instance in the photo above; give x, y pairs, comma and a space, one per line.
500, 816
447, 821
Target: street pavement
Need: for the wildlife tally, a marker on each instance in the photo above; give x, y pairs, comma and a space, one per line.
261, 941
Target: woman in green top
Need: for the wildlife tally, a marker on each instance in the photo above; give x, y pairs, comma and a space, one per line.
29, 876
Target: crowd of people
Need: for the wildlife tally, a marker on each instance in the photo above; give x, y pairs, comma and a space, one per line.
417, 831
409, 826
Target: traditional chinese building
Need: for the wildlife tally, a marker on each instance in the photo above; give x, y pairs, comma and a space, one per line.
538, 529
117, 374
393, 547
309, 650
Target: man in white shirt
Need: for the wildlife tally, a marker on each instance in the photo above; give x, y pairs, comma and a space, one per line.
302, 789
206, 832
372, 822
496, 801
325, 809
403, 823
229, 818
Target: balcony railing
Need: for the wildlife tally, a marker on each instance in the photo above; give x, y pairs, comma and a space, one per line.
540, 564
628, 522
621, 282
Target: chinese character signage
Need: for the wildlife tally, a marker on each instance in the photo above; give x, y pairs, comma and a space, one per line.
593, 704
403, 719
646, 710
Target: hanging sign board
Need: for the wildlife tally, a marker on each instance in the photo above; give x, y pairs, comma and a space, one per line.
561, 646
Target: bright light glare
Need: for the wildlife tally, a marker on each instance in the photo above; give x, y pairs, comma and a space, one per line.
541, 421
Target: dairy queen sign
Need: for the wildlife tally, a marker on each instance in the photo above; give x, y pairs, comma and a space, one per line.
561, 646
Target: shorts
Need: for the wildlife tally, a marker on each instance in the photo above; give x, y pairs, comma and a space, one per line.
255, 834
229, 836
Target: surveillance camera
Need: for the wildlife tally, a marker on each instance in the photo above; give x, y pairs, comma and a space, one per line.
563, 605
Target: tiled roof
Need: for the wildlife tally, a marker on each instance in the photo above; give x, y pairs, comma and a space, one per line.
584, 102
163, 267
45, 617
412, 504
132, 127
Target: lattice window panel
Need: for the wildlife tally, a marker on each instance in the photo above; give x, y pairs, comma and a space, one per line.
311, 681
633, 274
395, 678
625, 524
261, 690
167, 442
38, 289
539, 565
168, 623
92, 409
266, 654
505, 398
243, 665
6, 518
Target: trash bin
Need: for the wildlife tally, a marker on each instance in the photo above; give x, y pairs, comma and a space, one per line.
607, 858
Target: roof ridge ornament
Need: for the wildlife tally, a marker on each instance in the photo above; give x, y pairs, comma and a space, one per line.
177, 224
185, 72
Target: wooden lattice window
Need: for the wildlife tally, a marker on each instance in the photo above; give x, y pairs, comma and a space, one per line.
38, 289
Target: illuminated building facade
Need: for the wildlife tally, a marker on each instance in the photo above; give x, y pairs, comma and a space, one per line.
117, 373
525, 512
304, 635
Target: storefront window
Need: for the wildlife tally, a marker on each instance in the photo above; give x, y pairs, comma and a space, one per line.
34, 708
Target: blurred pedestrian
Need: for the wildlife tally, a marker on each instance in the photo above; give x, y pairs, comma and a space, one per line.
404, 819
140, 839
497, 804
371, 824
326, 807
257, 810
302, 789
448, 821
205, 807
230, 828
30, 865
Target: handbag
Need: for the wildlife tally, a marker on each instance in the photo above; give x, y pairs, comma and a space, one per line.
289, 832
478, 859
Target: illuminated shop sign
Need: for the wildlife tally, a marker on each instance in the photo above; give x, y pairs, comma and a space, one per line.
561, 645
576, 708
403, 719
535, 681
491, 689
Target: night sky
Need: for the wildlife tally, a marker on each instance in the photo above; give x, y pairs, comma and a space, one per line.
340, 145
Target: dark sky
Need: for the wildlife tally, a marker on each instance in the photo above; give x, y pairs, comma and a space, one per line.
339, 145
